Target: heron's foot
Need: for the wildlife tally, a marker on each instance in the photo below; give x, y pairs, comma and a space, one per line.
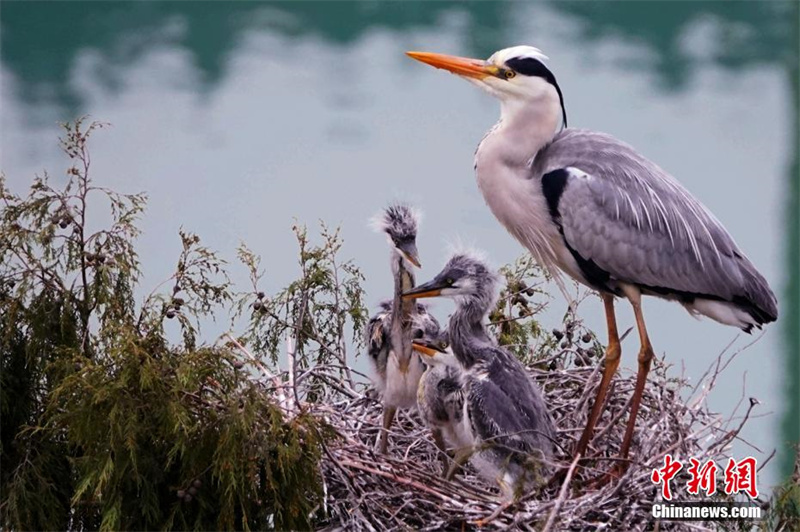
445, 457
489, 518
388, 418
383, 442
450, 471
459, 459
613, 474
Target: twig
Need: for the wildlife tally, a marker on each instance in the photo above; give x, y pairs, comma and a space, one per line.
562, 495
290, 354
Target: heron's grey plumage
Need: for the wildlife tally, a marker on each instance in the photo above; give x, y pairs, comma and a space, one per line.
440, 399
379, 337
508, 421
615, 211
440, 396
638, 224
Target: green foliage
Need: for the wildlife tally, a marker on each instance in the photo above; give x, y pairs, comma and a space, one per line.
319, 310
783, 511
109, 424
515, 322
513, 318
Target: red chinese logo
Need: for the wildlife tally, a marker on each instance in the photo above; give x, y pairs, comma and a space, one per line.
704, 477
741, 477
665, 475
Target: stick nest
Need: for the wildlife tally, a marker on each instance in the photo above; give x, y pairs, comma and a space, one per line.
405, 490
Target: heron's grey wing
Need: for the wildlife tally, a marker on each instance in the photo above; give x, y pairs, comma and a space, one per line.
505, 407
442, 395
378, 338
625, 217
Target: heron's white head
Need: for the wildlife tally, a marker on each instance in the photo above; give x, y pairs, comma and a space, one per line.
517, 76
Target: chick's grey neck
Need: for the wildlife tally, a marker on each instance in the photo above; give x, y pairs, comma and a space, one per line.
402, 310
403, 281
467, 330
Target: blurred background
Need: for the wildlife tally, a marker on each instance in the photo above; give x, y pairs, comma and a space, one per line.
239, 118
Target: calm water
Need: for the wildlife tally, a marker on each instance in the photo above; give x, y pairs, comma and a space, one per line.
237, 118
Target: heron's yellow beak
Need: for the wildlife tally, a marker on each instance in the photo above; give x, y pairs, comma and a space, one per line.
424, 349
409, 251
413, 260
432, 288
419, 294
463, 66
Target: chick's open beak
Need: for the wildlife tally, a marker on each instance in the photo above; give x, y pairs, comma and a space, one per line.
463, 66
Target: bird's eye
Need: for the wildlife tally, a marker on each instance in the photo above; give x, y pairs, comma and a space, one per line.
449, 281
418, 333
510, 74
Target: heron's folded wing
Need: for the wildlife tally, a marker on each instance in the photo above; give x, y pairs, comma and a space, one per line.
506, 408
377, 331
637, 223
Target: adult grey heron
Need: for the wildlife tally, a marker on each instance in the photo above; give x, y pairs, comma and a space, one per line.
508, 425
396, 368
589, 205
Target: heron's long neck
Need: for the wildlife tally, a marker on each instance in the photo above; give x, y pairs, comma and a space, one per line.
403, 281
524, 129
502, 166
467, 331
402, 311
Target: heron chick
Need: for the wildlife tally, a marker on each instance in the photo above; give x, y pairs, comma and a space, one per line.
396, 368
440, 395
508, 427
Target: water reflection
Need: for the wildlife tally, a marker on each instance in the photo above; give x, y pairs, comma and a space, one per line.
269, 111
748, 33
40, 40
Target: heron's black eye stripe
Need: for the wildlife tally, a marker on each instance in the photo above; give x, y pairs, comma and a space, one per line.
528, 66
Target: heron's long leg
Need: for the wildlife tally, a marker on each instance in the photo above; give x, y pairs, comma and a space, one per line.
613, 352
388, 418
440, 445
645, 358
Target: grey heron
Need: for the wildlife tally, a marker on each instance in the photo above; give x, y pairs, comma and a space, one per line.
589, 205
508, 425
396, 368
440, 398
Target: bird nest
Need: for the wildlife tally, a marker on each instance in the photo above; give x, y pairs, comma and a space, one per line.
404, 489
